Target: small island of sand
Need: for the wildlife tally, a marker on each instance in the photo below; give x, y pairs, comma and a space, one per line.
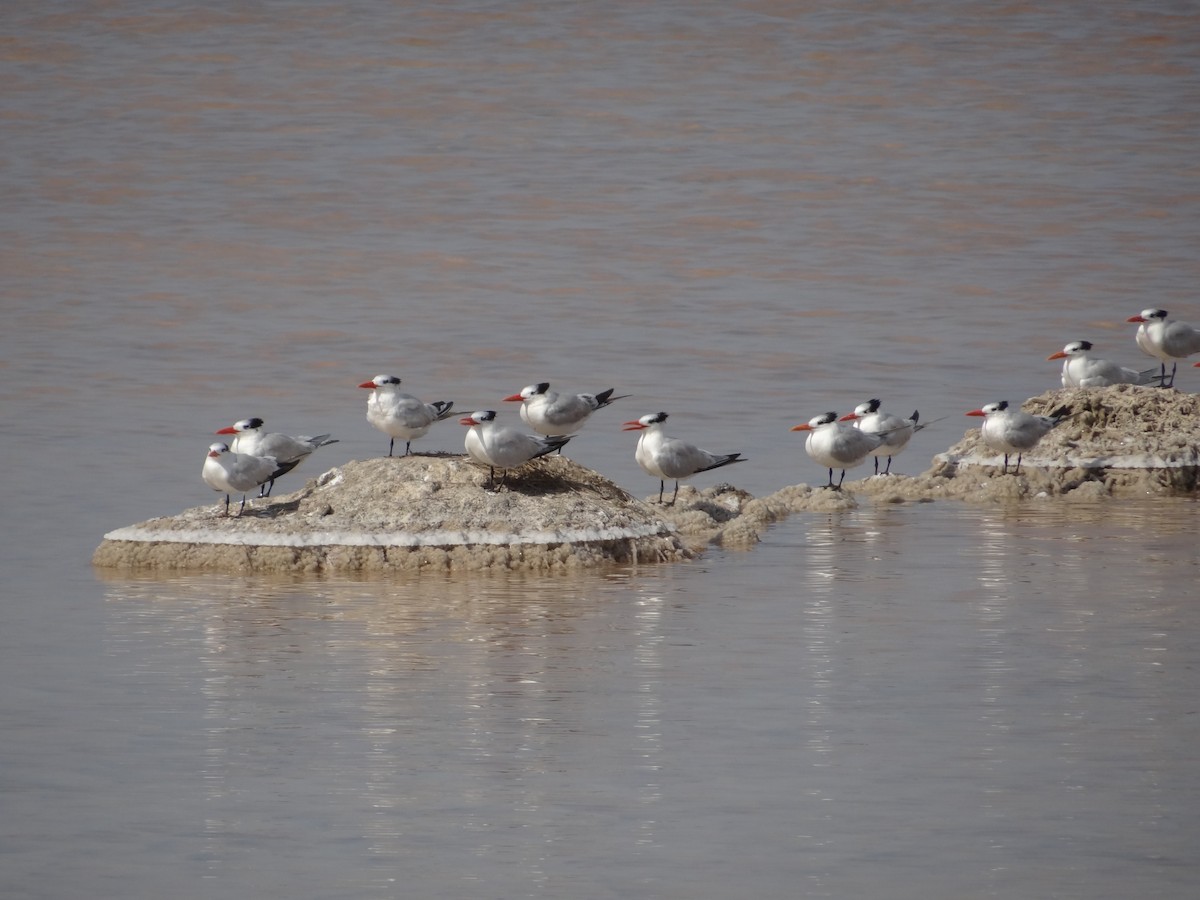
434, 512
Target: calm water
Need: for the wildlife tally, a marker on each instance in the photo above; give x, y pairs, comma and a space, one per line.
743, 213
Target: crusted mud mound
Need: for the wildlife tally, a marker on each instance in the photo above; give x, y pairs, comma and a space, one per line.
730, 517
411, 513
1118, 441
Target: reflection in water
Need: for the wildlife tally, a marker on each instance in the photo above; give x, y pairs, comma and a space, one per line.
459, 697
648, 663
1026, 682
1055, 582
1009, 660
823, 574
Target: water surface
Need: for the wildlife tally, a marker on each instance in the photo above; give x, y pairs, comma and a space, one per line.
742, 213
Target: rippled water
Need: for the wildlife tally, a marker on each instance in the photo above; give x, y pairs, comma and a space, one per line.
742, 213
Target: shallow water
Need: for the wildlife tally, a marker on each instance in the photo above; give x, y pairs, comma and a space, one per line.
741, 213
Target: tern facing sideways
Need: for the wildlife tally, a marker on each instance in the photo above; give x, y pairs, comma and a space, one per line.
1013, 430
501, 447
234, 473
895, 431
250, 440
667, 458
401, 415
551, 413
1165, 340
836, 445
1083, 370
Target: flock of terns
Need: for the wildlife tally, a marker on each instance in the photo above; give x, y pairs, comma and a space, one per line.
254, 458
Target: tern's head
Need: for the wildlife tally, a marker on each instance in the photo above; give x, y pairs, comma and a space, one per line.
816, 422
380, 381
478, 417
1149, 315
216, 450
243, 425
530, 390
998, 406
1075, 348
645, 421
863, 409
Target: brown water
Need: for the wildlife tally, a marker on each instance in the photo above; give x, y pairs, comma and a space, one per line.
742, 213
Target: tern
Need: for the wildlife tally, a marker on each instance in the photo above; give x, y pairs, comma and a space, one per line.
1014, 431
836, 445
250, 440
235, 473
401, 415
551, 413
895, 431
1083, 370
1166, 340
667, 458
501, 447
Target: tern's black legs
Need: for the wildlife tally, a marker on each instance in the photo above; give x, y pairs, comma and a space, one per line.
838, 486
240, 508
662, 487
1016, 471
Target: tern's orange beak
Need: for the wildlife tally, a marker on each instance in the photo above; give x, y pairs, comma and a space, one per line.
804, 427
977, 412
1136, 319
467, 420
229, 430
516, 397
848, 417
632, 426
1058, 355
369, 384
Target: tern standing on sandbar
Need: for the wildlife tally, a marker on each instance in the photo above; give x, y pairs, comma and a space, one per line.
895, 431
1165, 340
502, 447
401, 415
233, 473
551, 413
1011, 431
249, 439
668, 458
836, 445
